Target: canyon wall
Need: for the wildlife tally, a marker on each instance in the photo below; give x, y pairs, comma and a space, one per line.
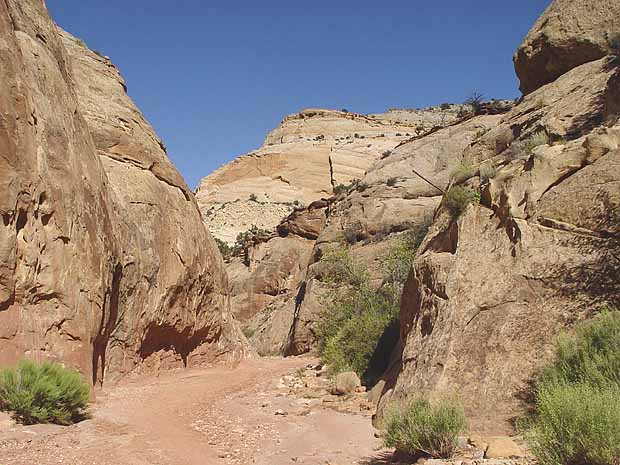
104, 261
303, 160
491, 288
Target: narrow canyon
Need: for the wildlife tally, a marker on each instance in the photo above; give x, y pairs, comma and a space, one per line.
200, 319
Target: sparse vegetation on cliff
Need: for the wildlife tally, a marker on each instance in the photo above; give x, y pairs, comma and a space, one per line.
224, 248
43, 393
457, 198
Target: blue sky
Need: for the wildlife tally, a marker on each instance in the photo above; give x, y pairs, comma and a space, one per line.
214, 76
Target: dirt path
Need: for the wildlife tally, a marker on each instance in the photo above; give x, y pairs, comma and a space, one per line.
213, 416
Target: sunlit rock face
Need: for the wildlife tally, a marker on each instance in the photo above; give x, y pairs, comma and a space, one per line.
104, 261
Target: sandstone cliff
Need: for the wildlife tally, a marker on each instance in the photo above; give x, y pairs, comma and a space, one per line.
393, 198
104, 261
491, 288
303, 160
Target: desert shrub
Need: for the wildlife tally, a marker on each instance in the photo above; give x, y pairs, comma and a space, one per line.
353, 233
386, 154
576, 424
488, 170
224, 248
344, 110
391, 181
577, 399
536, 140
253, 198
463, 171
445, 106
420, 427
457, 198
341, 189
355, 315
359, 323
43, 393
409, 196
361, 186
591, 356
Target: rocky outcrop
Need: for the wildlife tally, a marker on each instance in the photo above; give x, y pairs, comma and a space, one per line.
172, 270
308, 155
568, 34
104, 261
397, 195
491, 288
267, 289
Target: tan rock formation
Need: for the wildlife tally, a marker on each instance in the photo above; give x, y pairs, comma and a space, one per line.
173, 276
59, 271
390, 199
104, 261
568, 34
301, 161
266, 292
490, 290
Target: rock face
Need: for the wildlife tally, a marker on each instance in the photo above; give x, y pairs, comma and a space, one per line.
491, 289
303, 160
89, 272
568, 34
391, 199
266, 292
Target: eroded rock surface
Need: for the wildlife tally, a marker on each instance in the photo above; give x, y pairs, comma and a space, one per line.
398, 194
104, 261
568, 34
491, 289
302, 161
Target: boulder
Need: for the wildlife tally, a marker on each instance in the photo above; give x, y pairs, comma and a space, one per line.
503, 447
568, 34
346, 383
374, 395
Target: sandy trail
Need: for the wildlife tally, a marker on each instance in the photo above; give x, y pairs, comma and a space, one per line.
218, 416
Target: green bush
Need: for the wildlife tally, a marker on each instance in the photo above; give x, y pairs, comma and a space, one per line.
576, 424
577, 398
422, 428
591, 356
536, 140
43, 393
457, 198
463, 171
225, 249
359, 323
355, 315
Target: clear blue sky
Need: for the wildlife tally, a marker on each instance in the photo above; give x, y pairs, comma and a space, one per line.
214, 76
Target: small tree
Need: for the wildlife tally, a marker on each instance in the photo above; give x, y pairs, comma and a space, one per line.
475, 101
224, 248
